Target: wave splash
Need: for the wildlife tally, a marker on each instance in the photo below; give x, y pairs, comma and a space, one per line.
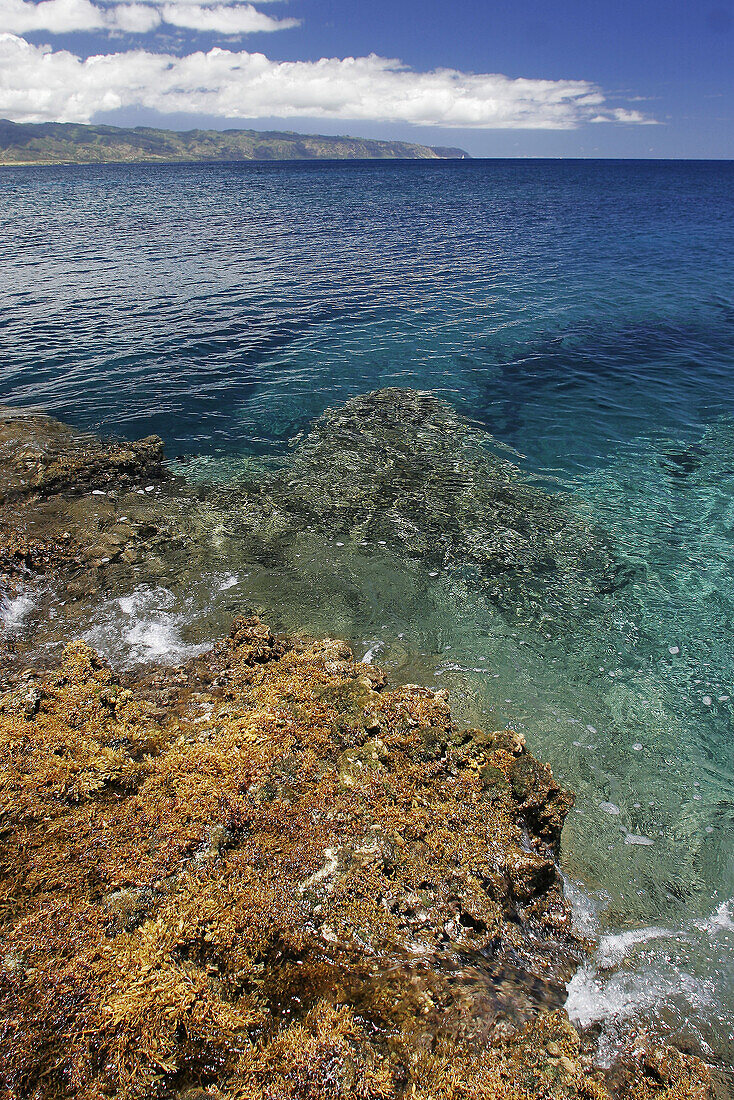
678, 980
152, 624
14, 611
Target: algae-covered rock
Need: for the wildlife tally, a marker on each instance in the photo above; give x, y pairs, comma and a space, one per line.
248, 878
63, 499
40, 455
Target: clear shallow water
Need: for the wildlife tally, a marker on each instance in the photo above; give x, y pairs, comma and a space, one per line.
583, 314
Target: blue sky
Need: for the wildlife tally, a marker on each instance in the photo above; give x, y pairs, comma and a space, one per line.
527, 78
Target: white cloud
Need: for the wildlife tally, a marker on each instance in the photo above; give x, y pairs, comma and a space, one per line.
65, 16
57, 16
623, 114
38, 84
223, 18
211, 3
133, 18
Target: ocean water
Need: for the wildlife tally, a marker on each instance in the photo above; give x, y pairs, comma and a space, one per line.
582, 314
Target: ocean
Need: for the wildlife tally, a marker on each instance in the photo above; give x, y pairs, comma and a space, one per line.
581, 316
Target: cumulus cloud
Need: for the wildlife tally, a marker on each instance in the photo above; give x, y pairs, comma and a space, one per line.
38, 84
65, 16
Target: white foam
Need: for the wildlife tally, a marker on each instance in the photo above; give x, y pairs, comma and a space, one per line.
594, 1000
615, 947
721, 920
143, 627
14, 610
643, 970
372, 652
227, 581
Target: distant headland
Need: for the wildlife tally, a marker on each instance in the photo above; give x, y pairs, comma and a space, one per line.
74, 143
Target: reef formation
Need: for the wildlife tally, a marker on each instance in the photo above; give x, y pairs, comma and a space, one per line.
263, 874
402, 466
396, 468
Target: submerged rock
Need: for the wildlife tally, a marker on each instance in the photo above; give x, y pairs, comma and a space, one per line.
401, 467
395, 469
267, 875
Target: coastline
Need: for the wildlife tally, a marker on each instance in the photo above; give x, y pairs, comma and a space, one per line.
238, 836
76, 143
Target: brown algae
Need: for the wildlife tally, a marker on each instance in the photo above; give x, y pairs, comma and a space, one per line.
254, 877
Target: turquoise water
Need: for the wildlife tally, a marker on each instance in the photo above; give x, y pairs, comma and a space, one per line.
583, 314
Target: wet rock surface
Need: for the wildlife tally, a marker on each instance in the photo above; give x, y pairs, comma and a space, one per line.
40, 455
82, 516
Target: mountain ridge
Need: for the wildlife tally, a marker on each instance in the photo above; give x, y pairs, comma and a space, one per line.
80, 143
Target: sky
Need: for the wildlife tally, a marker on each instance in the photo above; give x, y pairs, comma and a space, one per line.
574, 78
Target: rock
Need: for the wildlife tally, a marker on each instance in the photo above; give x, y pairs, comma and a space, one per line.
529, 874
287, 906
543, 803
401, 468
40, 455
32, 702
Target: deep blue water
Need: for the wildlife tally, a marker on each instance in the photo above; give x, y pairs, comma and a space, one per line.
570, 306
583, 313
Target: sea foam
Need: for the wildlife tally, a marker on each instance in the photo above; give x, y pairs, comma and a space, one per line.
143, 627
674, 978
14, 611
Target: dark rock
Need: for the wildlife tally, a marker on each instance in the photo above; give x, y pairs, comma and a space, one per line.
41, 456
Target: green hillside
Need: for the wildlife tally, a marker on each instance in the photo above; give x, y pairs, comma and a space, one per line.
72, 143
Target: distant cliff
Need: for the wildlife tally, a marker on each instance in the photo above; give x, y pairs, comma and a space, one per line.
72, 143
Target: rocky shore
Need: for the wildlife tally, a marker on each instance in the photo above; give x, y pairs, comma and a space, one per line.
265, 873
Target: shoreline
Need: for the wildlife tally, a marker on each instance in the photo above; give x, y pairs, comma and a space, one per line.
221, 160
255, 700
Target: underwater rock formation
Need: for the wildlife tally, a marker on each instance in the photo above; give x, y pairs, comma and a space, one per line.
402, 466
266, 875
395, 468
